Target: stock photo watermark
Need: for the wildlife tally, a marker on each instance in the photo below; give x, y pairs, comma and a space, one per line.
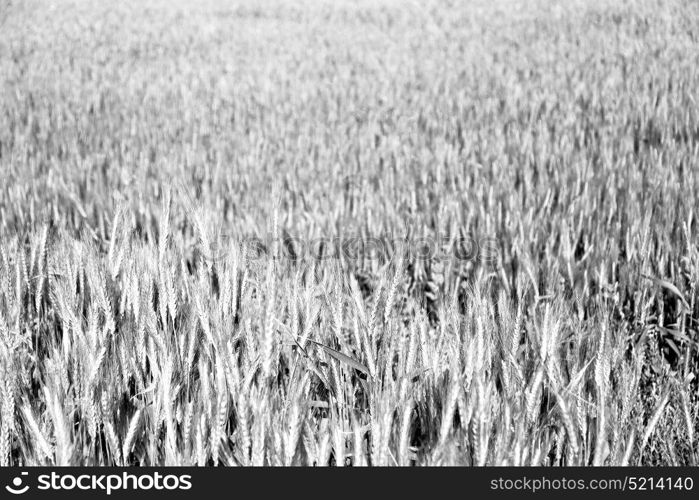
469, 249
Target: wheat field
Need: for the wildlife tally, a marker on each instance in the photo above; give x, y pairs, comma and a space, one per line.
349, 233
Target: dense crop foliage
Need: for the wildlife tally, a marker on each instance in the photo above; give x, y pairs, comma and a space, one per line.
349, 233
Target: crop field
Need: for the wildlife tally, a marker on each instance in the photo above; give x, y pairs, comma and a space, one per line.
349, 233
